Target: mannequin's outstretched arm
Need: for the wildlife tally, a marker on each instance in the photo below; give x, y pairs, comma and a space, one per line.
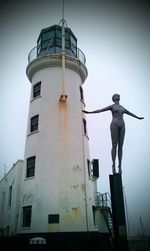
99, 110
132, 114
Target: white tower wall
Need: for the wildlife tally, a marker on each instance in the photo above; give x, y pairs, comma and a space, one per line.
61, 184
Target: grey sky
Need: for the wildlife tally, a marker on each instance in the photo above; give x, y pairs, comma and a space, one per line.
116, 41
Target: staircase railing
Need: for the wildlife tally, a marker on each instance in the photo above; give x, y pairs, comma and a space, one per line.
102, 199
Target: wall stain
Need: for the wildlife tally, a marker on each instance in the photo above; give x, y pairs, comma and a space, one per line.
82, 187
78, 186
27, 198
77, 168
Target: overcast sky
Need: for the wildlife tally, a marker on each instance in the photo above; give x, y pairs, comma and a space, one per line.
115, 39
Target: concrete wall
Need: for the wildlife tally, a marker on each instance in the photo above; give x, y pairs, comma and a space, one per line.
9, 211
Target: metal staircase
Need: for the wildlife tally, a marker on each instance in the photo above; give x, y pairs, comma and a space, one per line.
103, 201
108, 219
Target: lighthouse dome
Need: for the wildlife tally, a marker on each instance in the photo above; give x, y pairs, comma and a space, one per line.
50, 41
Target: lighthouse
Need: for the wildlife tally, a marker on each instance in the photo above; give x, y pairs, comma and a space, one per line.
58, 183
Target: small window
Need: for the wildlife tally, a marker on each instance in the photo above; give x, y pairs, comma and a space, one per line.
30, 167
67, 35
34, 123
26, 221
57, 50
67, 44
3, 201
58, 42
53, 218
73, 41
10, 196
73, 45
45, 44
89, 167
94, 212
46, 35
84, 126
95, 168
58, 33
81, 94
37, 90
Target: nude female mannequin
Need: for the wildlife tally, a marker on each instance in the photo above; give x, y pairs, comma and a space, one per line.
117, 128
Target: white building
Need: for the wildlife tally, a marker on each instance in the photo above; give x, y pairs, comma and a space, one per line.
57, 185
10, 193
54, 190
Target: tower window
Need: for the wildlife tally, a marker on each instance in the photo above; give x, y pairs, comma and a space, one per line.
81, 94
10, 196
37, 90
3, 201
95, 168
84, 126
30, 167
89, 167
53, 218
94, 212
34, 123
26, 221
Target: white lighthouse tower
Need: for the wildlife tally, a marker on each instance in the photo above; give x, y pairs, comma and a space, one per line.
57, 186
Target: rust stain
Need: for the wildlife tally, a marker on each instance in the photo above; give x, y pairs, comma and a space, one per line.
63, 132
63, 111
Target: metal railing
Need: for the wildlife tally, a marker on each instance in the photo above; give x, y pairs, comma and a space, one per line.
54, 50
103, 200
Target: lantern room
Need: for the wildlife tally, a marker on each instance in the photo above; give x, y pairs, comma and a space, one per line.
50, 41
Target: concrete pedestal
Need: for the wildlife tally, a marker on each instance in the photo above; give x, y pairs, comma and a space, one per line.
118, 213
